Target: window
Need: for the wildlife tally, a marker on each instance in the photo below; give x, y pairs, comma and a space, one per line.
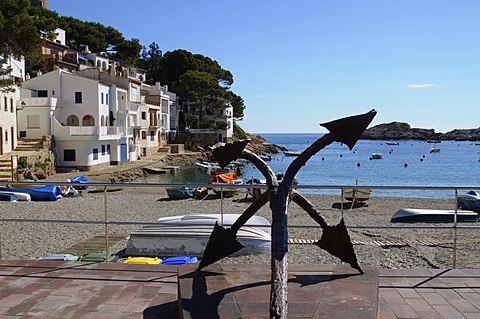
102, 98
6, 136
5, 102
72, 120
103, 149
12, 109
108, 149
107, 98
88, 120
33, 121
144, 135
69, 155
95, 154
78, 97
42, 93
152, 135
144, 115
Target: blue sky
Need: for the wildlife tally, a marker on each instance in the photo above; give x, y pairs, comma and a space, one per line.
297, 64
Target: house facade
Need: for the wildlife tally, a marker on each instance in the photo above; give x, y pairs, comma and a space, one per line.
8, 105
95, 117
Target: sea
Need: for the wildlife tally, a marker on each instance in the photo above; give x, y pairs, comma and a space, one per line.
410, 163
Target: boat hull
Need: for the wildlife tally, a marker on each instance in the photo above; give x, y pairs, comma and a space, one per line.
43, 193
411, 215
189, 235
174, 193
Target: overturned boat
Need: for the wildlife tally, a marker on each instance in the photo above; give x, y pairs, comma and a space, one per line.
189, 234
413, 215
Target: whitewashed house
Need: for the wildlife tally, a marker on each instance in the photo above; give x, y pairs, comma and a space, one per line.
223, 119
8, 105
82, 116
96, 117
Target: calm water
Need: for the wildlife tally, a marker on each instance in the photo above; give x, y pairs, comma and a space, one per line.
455, 165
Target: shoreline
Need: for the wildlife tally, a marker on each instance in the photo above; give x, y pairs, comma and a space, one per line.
32, 240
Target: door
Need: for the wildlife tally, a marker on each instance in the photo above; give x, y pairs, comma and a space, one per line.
123, 153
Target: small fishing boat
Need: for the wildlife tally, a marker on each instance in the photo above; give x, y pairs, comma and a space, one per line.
42, 193
413, 215
434, 150
392, 143
20, 196
7, 197
188, 235
80, 180
376, 156
469, 201
180, 193
292, 153
228, 178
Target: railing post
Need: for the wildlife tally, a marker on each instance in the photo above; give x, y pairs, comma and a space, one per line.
455, 232
107, 253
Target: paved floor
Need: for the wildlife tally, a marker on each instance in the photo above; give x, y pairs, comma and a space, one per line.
51, 289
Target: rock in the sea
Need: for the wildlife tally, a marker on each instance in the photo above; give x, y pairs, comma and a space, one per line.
397, 131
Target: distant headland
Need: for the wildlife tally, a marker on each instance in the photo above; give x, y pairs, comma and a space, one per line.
403, 131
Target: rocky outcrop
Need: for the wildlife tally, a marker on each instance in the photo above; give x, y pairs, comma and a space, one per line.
397, 131
403, 131
459, 135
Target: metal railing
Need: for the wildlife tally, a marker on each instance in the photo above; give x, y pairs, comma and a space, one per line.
224, 187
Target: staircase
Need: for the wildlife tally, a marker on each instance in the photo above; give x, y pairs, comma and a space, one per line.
5, 168
25, 147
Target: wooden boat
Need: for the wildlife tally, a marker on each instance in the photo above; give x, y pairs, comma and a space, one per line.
179, 193
412, 215
357, 195
188, 235
20, 196
42, 193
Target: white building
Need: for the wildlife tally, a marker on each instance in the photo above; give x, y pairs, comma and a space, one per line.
95, 117
8, 106
82, 115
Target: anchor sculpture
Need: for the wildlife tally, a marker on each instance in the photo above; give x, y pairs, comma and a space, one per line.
335, 238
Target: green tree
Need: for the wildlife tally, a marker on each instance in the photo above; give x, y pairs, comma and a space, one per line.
150, 61
238, 105
176, 63
20, 33
128, 52
203, 94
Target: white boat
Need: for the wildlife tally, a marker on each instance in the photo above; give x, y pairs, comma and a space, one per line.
376, 156
412, 215
392, 143
292, 153
188, 235
20, 196
434, 150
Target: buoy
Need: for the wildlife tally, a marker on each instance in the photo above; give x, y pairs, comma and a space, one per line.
405, 165
358, 164
323, 158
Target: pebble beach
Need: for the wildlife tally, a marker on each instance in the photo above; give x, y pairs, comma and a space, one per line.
383, 248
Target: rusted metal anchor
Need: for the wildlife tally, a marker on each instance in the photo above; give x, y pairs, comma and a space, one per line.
335, 239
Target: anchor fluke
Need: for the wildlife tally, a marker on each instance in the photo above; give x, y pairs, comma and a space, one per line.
222, 243
224, 153
349, 129
336, 241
